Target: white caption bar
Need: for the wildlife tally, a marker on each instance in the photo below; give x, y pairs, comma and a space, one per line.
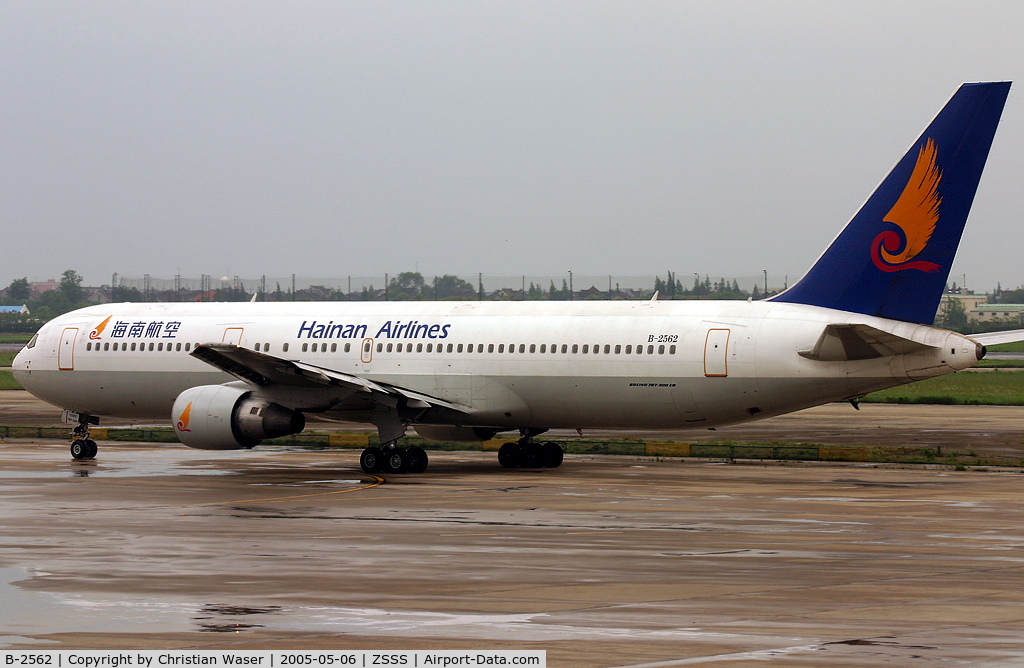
269, 659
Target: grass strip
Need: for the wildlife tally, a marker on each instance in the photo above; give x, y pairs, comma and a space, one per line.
7, 381
960, 389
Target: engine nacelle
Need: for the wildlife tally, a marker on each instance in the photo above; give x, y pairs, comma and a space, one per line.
434, 432
223, 417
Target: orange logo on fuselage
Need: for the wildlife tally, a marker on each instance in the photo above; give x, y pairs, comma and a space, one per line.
95, 334
915, 212
185, 416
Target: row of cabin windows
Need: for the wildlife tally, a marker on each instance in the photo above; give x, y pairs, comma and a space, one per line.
322, 348
533, 348
391, 347
153, 347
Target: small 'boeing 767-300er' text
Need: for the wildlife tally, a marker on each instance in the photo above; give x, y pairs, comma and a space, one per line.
230, 375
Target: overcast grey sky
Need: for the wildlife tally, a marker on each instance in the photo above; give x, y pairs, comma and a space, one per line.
360, 138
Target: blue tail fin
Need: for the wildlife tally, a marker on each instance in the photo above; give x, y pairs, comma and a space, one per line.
893, 258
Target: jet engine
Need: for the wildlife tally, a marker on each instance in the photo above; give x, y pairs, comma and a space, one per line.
225, 417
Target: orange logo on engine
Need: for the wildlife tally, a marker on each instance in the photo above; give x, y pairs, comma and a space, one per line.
183, 420
915, 212
95, 334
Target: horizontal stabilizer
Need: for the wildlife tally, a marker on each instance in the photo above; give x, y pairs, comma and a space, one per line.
995, 338
843, 342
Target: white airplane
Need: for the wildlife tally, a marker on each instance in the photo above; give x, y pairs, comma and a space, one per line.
230, 375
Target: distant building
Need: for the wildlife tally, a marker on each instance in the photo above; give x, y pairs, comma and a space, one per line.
14, 310
37, 289
994, 312
967, 298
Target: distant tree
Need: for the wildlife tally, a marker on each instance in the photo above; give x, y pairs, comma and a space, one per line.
121, 293
407, 285
659, 285
952, 315
18, 290
71, 287
452, 287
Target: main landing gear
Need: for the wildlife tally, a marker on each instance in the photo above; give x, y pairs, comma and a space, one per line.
528, 454
83, 447
390, 458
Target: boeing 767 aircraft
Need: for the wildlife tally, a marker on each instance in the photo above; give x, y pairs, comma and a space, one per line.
230, 375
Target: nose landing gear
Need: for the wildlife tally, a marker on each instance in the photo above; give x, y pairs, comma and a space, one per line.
83, 447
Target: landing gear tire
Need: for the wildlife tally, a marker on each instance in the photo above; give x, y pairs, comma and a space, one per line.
508, 455
553, 455
80, 449
93, 448
395, 461
372, 460
532, 456
416, 459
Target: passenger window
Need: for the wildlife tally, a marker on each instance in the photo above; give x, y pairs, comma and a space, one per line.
348, 347
533, 347
543, 347
586, 348
305, 347
430, 347
618, 349
650, 350
554, 348
597, 348
88, 346
178, 347
469, 348
151, 347
671, 350
390, 347
133, 347
459, 350
256, 347
160, 347
398, 348
639, 350
380, 347
284, 348
419, 347
501, 347
565, 348
187, 346
334, 347
522, 347
323, 347
607, 349
661, 350
106, 347
490, 347
576, 348
450, 347
479, 347
629, 350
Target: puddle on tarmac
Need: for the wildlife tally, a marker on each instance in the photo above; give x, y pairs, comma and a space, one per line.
25, 613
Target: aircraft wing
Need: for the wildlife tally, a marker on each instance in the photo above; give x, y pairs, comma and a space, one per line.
993, 338
839, 342
261, 370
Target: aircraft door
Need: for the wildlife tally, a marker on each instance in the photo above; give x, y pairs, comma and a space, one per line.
715, 349
366, 353
66, 352
233, 335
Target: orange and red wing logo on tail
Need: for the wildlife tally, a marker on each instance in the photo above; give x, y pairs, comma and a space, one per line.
95, 334
915, 212
185, 416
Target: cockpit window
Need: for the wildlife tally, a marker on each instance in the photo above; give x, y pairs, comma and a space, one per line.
32, 342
